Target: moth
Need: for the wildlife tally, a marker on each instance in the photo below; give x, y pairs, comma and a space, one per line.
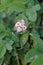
20, 26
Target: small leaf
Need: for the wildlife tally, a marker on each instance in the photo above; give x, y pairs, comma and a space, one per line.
24, 39
2, 35
37, 7
2, 49
8, 44
2, 28
32, 15
23, 62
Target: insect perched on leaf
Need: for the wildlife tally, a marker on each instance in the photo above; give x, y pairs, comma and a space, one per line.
20, 26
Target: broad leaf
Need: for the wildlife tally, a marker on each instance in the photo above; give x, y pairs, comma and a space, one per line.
31, 55
38, 61
13, 4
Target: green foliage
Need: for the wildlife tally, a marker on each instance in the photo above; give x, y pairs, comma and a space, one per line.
38, 61
31, 12
32, 55
21, 48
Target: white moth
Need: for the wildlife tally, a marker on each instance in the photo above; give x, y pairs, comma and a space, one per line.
20, 26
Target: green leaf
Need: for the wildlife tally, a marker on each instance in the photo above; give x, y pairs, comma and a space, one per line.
2, 28
30, 3
8, 44
2, 31
1, 61
5, 45
15, 38
2, 49
23, 39
20, 17
31, 14
2, 35
13, 4
37, 44
5, 1
38, 61
31, 55
37, 7
23, 1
